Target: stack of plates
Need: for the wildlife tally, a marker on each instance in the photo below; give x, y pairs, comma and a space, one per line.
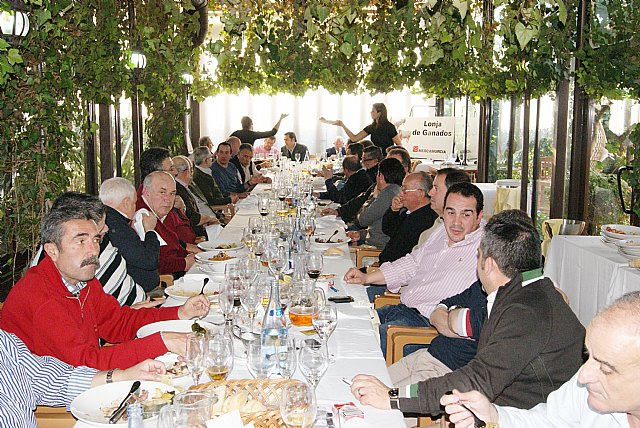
629, 248
615, 235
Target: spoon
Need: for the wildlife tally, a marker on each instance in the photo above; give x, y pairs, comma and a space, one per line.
335, 232
206, 281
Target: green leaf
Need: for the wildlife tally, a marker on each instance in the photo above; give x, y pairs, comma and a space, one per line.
562, 11
346, 49
431, 55
524, 34
323, 13
43, 16
14, 57
462, 6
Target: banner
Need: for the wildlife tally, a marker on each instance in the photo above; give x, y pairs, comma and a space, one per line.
429, 137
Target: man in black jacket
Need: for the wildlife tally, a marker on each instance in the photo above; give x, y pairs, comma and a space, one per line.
248, 136
371, 157
356, 183
531, 341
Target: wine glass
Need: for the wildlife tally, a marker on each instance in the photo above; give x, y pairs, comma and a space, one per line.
259, 363
298, 405
263, 205
325, 321
225, 300
314, 265
259, 247
314, 361
251, 299
193, 408
195, 355
249, 269
297, 156
287, 357
219, 360
254, 225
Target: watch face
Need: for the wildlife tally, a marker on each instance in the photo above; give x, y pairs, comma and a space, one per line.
393, 393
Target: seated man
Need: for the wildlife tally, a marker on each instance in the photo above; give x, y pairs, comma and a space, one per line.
142, 256
184, 176
369, 219
604, 393
292, 148
267, 149
357, 181
226, 173
531, 341
443, 267
247, 170
29, 381
158, 195
248, 136
205, 183
60, 309
338, 148
371, 157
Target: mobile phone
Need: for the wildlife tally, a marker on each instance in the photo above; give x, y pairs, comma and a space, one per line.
341, 299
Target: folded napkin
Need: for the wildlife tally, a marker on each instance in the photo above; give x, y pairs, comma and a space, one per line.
228, 420
139, 228
213, 230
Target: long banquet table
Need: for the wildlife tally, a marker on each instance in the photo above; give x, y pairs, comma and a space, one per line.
354, 342
591, 273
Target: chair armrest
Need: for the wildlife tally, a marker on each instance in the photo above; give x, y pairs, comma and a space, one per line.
167, 280
386, 299
399, 335
54, 417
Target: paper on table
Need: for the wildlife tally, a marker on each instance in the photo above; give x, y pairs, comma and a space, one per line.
213, 230
139, 228
228, 420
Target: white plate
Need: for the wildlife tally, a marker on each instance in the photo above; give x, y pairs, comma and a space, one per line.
92, 406
345, 241
623, 231
216, 265
630, 251
629, 243
170, 359
628, 256
213, 245
178, 326
608, 243
191, 284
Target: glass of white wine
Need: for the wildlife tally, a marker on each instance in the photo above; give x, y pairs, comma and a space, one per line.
251, 299
298, 405
219, 360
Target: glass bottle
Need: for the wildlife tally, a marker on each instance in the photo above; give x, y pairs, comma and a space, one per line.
274, 325
134, 415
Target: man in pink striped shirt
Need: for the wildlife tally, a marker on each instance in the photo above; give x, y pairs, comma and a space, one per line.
441, 268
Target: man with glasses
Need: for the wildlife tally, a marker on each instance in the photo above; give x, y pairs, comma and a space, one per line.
371, 157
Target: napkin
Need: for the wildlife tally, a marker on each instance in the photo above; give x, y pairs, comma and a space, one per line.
228, 420
139, 228
213, 230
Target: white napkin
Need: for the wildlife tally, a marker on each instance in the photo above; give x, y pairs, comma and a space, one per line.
213, 230
228, 420
139, 228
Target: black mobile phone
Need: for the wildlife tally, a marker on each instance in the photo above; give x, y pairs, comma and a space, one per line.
341, 299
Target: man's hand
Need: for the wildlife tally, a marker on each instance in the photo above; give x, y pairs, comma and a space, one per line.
354, 276
329, 211
193, 249
370, 391
234, 197
175, 342
146, 370
195, 306
148, 303
397, 203
326, 173
459, 406
189, 261
254, 180
283, 115
149, 222
355, 235
207, 219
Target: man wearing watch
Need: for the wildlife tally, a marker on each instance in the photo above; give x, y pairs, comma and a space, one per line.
531, 341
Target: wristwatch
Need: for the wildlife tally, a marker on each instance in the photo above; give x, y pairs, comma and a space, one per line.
393, 398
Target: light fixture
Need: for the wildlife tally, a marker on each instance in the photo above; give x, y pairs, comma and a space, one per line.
14, 23
138, 59
187, 79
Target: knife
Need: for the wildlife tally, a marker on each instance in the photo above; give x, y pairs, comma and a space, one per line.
117, 414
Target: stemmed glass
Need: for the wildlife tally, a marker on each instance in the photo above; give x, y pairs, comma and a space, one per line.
225, 300
297, 156
298, 405
263, 207
325, 321
259, 247
314, 265
219, 359
287, 357
235, 282
251, 300
259, 364
196, 355
314, 361
249, 269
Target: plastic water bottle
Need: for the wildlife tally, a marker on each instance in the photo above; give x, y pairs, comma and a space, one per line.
274, 325
134, 415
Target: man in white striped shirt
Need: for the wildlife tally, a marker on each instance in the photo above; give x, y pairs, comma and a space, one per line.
443, 267
29, 380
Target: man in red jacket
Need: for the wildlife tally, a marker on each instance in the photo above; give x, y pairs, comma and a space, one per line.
60, 309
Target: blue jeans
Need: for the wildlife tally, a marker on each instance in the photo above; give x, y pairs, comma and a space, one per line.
374, 290
400, 315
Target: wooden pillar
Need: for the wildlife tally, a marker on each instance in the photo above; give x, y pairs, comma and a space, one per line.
118, 140
195, 122
484, 139
90, 169
536, 167
556, 209
524, 179
137, 136
106, 142
439, 106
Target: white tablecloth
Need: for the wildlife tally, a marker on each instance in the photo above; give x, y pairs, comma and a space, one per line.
354, 342
592, 274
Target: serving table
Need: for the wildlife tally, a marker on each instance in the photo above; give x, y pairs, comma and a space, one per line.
591, 273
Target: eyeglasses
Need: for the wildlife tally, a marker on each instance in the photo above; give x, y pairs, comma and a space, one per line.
405, 190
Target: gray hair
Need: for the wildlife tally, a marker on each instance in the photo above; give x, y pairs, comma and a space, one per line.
624, 311
151, 178
425, 182
67, 207
181, 163
114, 190
200, 155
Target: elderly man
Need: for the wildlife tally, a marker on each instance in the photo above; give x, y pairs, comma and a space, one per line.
225, 173
247, 171
235, 144
29, 380
158, 195
604, 393
442, 268
206, 142
357, 181
292, 148
248, 136
531, 341
338, 148
60, 309
204, 181
184, 177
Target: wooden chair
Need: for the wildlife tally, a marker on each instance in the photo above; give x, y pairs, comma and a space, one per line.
54, 417
361, 253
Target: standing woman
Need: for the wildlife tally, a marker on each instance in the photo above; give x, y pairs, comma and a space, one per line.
383, 133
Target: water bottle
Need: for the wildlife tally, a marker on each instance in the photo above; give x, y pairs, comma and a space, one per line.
134, 415
274, 325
